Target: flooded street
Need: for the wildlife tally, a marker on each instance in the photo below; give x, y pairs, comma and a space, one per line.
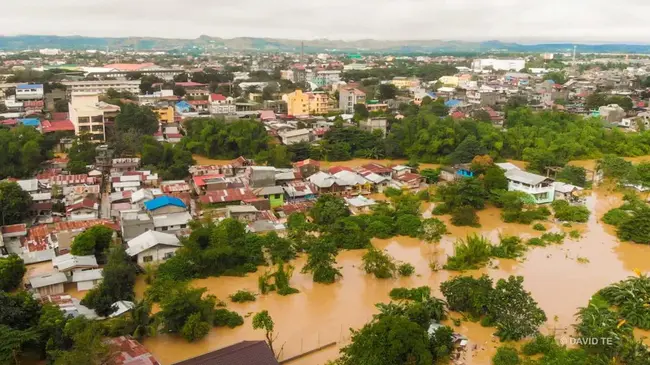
322, 314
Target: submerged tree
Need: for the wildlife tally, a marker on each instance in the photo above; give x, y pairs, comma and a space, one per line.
321, 260
262, 320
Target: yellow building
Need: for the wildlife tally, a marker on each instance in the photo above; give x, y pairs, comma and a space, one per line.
405, 82
90, 116
165, 115
301, 103
449, 81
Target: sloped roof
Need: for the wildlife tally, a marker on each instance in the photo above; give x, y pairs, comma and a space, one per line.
70, 261
525, 177
151, 239
164, 201
243, 353
47, 279
87, 275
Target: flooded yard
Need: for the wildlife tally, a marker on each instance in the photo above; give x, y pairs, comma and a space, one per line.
322, 314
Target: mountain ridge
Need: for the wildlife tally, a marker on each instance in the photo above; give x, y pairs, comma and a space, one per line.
204, 42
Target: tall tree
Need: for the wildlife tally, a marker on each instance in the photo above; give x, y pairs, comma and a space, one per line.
12, 270
14, 203
140, 118
262, 320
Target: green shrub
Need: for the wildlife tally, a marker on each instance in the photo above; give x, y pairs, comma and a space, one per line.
539, 227
465, 216
469, 254
195, 328
510, 247
616, 217
506, 355
379, 264
224, 317
575, 234
570, 213
242, 296
406, 269
536, 241
540, 345
440, 209
556, 238
417, 294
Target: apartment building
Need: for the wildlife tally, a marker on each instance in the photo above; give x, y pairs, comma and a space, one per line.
101, 87
89, 115
349, 97
29, 92
300, 103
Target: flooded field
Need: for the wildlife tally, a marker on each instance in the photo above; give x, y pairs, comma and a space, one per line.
322, 314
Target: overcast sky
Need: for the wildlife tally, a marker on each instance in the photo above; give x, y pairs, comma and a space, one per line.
510, 20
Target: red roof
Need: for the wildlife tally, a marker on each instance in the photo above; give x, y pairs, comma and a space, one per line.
307, 162
60, 116
335, 169
33, 104
408, 177
296, 207
9, 122
267, 115
458, 115
14, 228
227, 195
72, 179
217, 97
319, 131
57, 125
198, 102
128, 351
174, 135
377, 168
84, 204
200, 180
189, 84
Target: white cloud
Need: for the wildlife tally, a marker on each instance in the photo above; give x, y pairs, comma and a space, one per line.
513, 20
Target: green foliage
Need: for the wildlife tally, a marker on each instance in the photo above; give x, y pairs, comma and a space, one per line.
23, 150
280, 278
495, 179
519, 207
183, 304
280, 249
195, 328
12, 270
347, 234
433, 229
416, 294
224, 317
378, 263
614, 167
465, 192
629, 297
15, 203
391, 192
343, 143
510, 247
536, 241
556, 238
469, 148
636, 228
573, 175
389, 340
431, 176
506, 355
171, 161
263, 320
93, 241
575, 234
117, 284
409, 225
515, 312
140, 118
321, 258
570, 213
242, 296
328, 209
465, 216
469, 254
215, 138
467, 294
539, 227
405, 269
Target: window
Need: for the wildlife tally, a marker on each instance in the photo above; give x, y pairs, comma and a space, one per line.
147, 259
277, 196
168, 255
183, 226
165, 228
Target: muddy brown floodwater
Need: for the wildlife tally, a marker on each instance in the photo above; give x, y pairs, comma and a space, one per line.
322, 314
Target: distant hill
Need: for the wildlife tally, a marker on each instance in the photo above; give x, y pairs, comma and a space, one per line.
22, 42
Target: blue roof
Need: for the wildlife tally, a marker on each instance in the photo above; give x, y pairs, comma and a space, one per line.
431, 94
32, 122
452, 102
29, 86
164, 201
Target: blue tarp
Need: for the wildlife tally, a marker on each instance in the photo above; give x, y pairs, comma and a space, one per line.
164, 201
32, 122
452, 103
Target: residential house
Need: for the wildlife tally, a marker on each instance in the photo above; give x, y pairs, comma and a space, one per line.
373, 124
50, 283
153, 247
11, 238
122, 165
299, 192
227, 196
171, 222
295, 136
378, 169
540, 187
87, 279
194, 89
166, 114
379, 182
69, 263
165, 205
327, 184
133, 223
261, 176
409, 180
405, 82
126, 183
242, 353
360, 204
128, 351
307, 167
243, 213
564, 191
29, 92
220, 104
349, 97
612, 113
356, 183
274, 194
83, 209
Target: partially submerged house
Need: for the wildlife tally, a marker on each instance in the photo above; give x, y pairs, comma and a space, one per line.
243, 353
153, 247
